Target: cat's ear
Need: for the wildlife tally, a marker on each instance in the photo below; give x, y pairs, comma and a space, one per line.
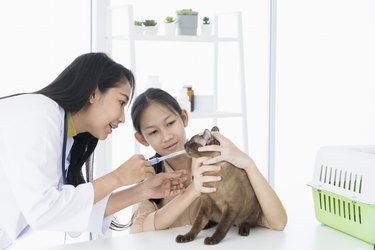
206, 134
139, 137
215, 128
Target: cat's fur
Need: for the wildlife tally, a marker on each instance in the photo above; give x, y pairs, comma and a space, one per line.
233, 203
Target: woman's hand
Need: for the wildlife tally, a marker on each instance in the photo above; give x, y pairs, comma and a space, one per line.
228, 152
199, 179
164, 184
134, 170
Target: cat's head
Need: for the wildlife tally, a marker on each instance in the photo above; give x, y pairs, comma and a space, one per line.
201, 140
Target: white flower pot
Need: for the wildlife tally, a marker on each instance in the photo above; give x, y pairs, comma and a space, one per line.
170, 29
138, 30
206, 29
151, 30
187, 25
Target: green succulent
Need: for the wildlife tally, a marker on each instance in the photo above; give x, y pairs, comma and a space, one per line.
149, 22
138, 23
169, 19
206, 20
187, 12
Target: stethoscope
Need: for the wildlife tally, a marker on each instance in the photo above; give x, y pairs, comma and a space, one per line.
64, 174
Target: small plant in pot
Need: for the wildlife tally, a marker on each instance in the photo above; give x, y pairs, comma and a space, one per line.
138, 27
206, 27
187, 22
150, 27
170, 25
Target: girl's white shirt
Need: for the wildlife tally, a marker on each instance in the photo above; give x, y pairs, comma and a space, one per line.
31, 185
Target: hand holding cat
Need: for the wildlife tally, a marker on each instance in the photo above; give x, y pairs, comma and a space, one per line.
199, 179
164, 184
228, 152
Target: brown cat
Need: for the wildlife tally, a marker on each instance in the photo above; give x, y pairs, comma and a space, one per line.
233, 203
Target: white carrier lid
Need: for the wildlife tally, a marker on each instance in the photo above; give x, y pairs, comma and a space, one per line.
348, 171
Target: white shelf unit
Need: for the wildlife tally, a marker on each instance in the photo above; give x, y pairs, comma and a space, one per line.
132, 38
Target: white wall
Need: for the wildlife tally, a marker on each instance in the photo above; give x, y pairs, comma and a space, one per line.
38, 40
325, 85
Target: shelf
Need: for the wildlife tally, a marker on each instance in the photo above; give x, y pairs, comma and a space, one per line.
197, 114
165, 38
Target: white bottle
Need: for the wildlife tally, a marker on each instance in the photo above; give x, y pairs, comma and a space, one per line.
183, 100
152, 82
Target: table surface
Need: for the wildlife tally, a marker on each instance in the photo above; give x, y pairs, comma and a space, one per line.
302, 234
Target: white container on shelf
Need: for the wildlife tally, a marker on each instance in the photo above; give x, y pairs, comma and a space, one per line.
183, 100
204, 103
152, 82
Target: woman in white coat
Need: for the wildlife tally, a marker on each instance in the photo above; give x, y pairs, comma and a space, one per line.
46, 137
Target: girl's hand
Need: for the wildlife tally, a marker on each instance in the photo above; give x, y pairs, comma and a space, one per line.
198, 170
134, 170
228, 152
164, 184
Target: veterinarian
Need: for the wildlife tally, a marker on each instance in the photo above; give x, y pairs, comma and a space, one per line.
48, 135
160, 122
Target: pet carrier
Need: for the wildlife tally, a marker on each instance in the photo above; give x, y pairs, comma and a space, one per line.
343, 188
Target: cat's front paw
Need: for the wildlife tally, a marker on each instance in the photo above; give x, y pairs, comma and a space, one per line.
211, 241
244, 229
184, 238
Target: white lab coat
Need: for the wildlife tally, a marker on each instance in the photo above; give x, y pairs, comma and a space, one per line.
31, 190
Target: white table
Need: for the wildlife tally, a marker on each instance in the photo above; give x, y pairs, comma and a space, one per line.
300, 233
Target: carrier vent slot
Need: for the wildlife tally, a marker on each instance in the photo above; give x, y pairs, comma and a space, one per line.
359, 215
330, 176
334, 180
321, 173
329, 203
334, 205
325, 175
348, 210
320, 200
341, 178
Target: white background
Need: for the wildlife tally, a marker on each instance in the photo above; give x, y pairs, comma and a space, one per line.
324, 78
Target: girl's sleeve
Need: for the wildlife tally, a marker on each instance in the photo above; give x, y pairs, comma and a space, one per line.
144, 217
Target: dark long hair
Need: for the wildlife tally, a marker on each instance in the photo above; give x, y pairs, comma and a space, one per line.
72, 90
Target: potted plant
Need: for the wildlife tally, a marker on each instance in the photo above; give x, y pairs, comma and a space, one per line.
170, 26
187, 22
206, 27
137, 27
150, 27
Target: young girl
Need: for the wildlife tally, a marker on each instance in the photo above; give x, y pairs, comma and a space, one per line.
160, 123
48, 135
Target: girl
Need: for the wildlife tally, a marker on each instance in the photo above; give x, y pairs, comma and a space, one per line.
160, 123
47, 136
